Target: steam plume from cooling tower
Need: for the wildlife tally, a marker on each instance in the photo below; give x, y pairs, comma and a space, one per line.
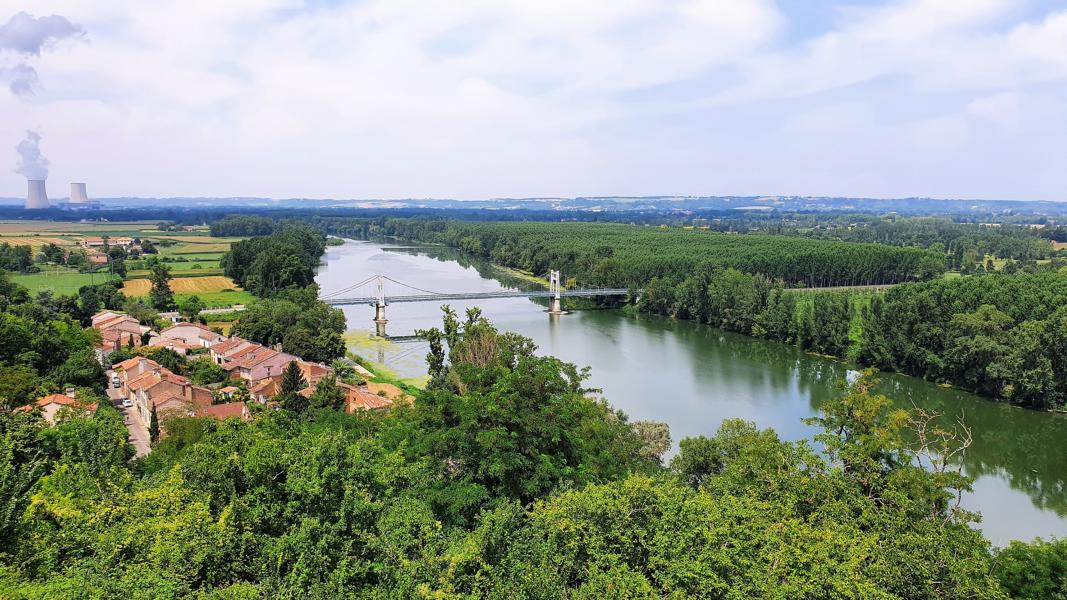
32, 164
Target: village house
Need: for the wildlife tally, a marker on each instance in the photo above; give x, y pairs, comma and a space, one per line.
223, 351
51, 405
262, 390
265, 389
257, 362
179, 347
117, 330
148, 385
193, 335
96, 258
356, 397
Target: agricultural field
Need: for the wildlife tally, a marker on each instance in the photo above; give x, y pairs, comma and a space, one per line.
214, 290
58, 280
191, 254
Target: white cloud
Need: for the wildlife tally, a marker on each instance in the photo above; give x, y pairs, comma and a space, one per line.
398, 98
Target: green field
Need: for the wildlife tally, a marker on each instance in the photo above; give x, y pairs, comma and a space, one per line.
60, 281
219, 299
187, 253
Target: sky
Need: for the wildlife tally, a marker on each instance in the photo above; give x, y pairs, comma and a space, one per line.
475, 99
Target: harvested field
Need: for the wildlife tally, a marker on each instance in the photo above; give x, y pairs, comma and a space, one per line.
197, 239
34, 241
188, 248
182, 285
29, 227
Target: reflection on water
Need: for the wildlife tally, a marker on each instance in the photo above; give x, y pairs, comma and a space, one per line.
693, 376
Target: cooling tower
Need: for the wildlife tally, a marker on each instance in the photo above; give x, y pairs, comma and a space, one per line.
77, 194
36, 196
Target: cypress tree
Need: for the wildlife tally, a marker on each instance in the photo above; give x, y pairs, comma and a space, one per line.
292, 382
153, 427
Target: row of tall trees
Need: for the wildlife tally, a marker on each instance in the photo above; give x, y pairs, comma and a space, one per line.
16, 258
756, 305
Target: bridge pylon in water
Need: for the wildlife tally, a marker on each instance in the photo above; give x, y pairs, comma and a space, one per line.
555, 285
379, 309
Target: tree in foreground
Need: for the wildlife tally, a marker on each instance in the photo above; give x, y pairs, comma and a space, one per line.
160, 296
190, 308
292, 382
153, 427
327, 394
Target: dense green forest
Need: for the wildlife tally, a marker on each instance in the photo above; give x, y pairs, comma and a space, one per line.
957, 240
278, 266
1003, 336
614, 255
505, 478
285, 259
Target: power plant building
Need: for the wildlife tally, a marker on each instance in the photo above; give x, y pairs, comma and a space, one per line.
77, 194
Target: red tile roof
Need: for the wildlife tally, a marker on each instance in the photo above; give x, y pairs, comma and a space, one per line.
61, 399
205, 332
224, 346
224, 411
164, 398
364, 400
130, 363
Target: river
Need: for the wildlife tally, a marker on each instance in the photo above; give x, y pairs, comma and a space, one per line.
693, 376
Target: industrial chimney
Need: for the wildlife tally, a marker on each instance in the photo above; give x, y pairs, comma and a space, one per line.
36, 196
77, 194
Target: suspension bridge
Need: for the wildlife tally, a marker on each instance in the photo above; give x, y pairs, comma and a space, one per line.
555, 294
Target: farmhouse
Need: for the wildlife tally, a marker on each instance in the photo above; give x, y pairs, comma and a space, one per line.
99, 242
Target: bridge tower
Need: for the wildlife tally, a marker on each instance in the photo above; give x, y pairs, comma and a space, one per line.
379, 309
555, 303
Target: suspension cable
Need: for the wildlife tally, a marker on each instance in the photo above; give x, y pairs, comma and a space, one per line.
412, 287
350, 288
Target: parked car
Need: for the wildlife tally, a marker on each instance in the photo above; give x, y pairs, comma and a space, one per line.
127, 403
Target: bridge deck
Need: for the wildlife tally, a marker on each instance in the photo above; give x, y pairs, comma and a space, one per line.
479, 295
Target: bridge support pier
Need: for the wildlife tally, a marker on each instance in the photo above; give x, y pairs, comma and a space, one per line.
555, 302
555, 306
379, 319
379, 309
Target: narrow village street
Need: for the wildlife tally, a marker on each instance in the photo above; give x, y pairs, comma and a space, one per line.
138, 434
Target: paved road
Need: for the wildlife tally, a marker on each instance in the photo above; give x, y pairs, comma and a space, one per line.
138, 434
173, 314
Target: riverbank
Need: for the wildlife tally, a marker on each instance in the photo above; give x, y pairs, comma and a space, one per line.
361, 343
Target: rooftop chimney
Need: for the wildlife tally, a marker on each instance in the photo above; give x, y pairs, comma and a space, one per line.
77, 194
36, 196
